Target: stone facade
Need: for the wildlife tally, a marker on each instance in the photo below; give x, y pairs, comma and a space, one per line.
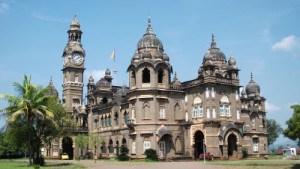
177, 119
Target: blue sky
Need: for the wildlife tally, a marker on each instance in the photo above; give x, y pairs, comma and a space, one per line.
263, 36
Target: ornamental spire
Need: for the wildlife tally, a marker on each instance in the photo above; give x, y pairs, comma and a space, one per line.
149, 28
213, 43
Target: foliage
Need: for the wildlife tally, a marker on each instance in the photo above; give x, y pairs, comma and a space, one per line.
274, 130
245, 152
81, 141
293, 130
33, 115
151, 154
95, 140
123, 154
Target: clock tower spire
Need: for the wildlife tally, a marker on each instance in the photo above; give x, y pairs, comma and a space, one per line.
73, 68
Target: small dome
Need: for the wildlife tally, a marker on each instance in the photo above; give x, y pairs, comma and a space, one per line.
107, 72
136, 56
75, 25
165, 57
252, 88
103, 83
91, 79
231, 61
207, 57
158, 55
147, 55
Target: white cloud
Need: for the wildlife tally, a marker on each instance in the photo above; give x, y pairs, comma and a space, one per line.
271, 107
4, 7
47, 18
97, 74
286, 44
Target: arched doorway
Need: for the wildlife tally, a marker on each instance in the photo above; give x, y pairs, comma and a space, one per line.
232, 146
198, 146
67, 146
117, 147
124, 142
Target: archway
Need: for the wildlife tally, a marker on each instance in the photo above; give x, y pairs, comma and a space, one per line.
198, 146
232, 146
124, 142
67, 146
117, 148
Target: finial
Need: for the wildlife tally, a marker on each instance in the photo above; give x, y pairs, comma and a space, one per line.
149, 28
51, 82
213, 43
251, 76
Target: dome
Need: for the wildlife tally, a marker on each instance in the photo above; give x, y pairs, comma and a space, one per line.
91, 79
147, 54
252, 88
102, 83
136, 56
149, 40
214, 53
165, 57
231, 61
107, 72
158, 55
75, 25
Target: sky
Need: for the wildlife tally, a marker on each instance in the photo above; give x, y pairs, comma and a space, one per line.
263, 37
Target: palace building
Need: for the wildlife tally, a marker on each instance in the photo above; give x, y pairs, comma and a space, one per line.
177, 119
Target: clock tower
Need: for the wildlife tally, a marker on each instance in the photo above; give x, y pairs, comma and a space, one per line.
73, 68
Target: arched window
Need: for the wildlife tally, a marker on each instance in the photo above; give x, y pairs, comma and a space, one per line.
146, 75
102, 122
197, 107
116, 118
105, 121
104, 100
109, 121
225, 106
160, 75
146, 110
133, 79
110, 146
126, 117
177, 111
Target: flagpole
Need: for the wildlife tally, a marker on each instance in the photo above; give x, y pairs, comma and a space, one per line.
115, 68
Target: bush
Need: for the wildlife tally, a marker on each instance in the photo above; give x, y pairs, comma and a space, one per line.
208, 156
245, 152
151, 154
123, 154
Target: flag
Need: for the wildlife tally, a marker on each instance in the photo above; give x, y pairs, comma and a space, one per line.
112, 56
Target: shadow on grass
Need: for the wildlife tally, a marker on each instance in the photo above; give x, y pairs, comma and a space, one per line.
58, 165
296, 166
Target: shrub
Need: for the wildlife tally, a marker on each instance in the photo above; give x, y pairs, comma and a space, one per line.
123, 154
151, 154
245, 152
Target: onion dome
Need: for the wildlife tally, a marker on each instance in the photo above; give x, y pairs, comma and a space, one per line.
91, 79
214, 53
231, 63
252, 88
149, 40
107, 72
165, 57
52, 90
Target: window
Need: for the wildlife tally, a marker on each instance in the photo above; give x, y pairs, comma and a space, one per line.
133, 113
207, 93
133, 147
236, 95
116, 119
238, 116
255, 145
253, 123
126, 118
95, 123
160, 75
162, 114
146, 76
147, 145
207, 113
214, 113
102, 122
76, 77
104, 100
177, 111
105, 121
225, 106
109, 121
213, 93
227, 110
146, 110
133, 78
197, 111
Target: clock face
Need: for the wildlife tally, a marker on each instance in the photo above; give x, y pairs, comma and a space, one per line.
77, 59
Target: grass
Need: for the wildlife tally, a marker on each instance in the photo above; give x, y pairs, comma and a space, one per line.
5, 164
261, 164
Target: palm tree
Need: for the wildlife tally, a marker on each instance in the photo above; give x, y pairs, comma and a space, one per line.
30, 104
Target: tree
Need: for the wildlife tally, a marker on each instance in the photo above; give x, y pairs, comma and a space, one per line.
95, 141
293, 130
81, 141
123, 156
274, 130
29, 106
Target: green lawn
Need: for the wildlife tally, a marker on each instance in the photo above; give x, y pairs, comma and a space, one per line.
5, 164
261, 164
